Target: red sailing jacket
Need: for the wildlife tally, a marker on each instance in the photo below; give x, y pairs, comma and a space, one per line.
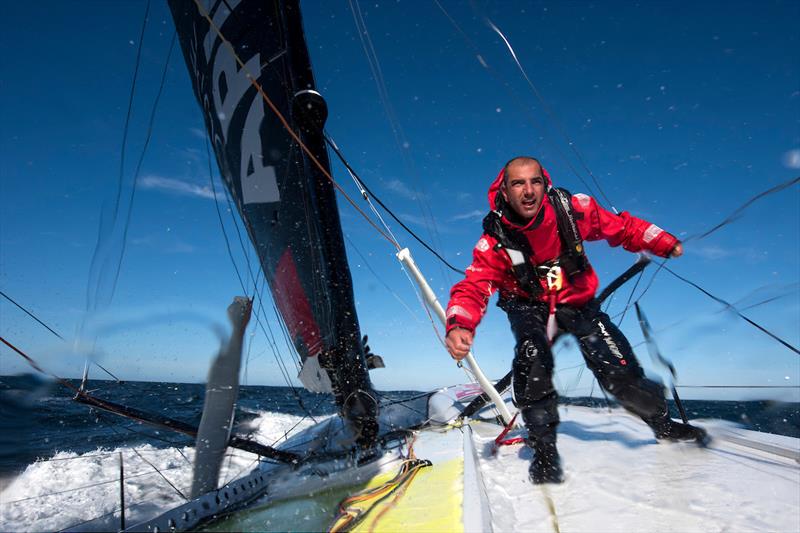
490, 270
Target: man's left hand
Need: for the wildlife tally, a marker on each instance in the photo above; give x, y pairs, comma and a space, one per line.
677, 251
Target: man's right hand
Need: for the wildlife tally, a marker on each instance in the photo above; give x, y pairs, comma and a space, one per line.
458, 343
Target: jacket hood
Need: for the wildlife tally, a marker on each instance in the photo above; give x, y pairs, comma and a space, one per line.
494, 188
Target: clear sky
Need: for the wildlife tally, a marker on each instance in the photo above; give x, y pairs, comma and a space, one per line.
682, 111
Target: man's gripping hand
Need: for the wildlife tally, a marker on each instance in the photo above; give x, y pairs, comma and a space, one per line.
458, 343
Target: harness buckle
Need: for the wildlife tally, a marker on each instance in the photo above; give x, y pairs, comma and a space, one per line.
555, 278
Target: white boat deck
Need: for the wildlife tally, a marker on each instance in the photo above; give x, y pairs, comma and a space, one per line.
619, 478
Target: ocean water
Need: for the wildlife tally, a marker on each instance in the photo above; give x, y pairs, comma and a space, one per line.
38, 419
59, 460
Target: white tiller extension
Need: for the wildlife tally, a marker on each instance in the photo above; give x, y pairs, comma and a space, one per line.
404, 256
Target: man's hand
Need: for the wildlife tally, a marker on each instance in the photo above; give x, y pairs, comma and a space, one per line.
677, 251
458, 342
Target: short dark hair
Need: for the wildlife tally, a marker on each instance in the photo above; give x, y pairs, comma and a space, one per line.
518, 159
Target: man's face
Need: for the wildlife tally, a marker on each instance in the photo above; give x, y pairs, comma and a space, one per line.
523, 188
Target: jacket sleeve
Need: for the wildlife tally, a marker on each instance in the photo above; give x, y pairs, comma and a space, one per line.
469, 297
634, 234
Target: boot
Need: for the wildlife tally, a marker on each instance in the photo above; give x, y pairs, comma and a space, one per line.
665, 428
546, 464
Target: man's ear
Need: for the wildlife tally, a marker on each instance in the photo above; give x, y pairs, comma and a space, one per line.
503, 191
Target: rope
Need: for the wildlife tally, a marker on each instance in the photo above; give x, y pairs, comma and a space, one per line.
259, 311
523, 107
285, 123
51, 330
630, 296
732, 308
148, 136
550, 113
363, 185
221, 223
82, 487
131, 506
738, 211
399, 135
159, 472
354, 509
386, 286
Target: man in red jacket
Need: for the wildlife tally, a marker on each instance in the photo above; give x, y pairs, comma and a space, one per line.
532, 253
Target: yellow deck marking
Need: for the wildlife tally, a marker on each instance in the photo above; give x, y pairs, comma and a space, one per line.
431, 502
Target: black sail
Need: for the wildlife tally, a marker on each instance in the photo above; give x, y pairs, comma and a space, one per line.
286, 202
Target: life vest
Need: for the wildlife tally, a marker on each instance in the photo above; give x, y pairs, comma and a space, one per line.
572, 259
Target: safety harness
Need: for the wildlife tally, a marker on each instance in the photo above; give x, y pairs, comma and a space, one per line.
572, 259
528, 274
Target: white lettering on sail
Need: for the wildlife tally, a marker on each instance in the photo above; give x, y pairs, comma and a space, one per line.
220, 15
259, 182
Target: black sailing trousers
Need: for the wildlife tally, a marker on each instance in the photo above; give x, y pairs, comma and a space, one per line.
605, 349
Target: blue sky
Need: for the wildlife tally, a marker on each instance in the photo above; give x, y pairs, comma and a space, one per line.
682, 111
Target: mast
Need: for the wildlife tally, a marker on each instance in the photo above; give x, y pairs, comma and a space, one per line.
287, 203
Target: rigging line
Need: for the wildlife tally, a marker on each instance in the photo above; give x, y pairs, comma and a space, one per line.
650, 284
682, 320
550, 113
734, 309
83, 487
88, 456
270, 337
219, 216
366, 188
738, 212
278, 358
273, 344
762, 302
112, 512
126, 127
284, 122
251, 339
141, 160
90, 294
577, 381
62, 381
107, 371
182, 495
51, 330
236, 476
386, 286
174, 444
307, 415
573, 367
399, 134
733, 216
245, 248
516, 98
360, 185
630, 297
281, 364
